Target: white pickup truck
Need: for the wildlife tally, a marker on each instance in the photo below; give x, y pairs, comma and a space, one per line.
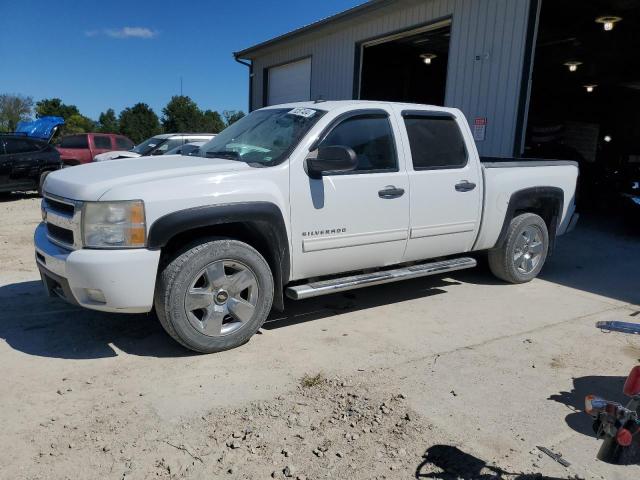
299, 200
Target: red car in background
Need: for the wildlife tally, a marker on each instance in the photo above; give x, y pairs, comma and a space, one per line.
81, 148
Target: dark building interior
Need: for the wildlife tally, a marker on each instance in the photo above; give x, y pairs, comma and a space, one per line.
412, 68
585, 97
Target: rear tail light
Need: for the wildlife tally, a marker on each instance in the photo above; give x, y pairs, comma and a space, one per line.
632, 384
624, 437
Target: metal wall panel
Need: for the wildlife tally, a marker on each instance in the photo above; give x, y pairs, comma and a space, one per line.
487, 51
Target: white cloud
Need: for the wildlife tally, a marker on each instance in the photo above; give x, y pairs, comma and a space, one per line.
124, 32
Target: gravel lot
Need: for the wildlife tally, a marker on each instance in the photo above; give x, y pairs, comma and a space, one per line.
444, 377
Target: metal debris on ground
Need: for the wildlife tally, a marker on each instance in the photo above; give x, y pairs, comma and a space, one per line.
556, 456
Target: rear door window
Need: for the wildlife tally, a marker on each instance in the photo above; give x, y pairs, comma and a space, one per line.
74, 141
123, 143
435, 140
102, 141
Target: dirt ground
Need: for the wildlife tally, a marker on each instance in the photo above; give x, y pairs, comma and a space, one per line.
445, 377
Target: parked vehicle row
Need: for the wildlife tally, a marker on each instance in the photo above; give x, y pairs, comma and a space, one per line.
83, 148
26, 156
298, 200
158, 145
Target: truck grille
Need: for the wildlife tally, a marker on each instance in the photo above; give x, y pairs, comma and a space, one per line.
58, 206
63, 220
61, 234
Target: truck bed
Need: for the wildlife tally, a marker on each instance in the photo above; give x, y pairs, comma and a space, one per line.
502, 176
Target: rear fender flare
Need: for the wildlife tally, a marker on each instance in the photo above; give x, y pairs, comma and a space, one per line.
530, 198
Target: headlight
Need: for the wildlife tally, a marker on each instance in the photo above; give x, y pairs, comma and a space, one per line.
114, 224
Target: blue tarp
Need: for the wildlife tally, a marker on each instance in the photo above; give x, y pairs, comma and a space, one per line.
43, 127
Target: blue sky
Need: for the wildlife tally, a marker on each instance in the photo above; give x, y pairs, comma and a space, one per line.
100, 55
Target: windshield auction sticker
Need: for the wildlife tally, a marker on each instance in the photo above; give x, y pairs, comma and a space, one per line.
303, 112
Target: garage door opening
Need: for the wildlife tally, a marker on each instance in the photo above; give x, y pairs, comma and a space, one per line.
408, 67
585, 97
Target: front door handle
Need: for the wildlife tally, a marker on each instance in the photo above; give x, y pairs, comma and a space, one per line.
465, 186
391, 192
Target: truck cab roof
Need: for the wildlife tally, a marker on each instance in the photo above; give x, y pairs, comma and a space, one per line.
329, 105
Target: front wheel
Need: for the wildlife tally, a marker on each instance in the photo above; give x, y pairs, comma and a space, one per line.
522, 254
214, 295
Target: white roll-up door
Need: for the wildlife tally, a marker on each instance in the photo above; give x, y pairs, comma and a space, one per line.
289, 83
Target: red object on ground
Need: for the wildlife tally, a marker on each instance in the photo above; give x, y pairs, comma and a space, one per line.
624, 437
632, 384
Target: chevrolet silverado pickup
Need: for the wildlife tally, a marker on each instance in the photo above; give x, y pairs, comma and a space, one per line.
294, 200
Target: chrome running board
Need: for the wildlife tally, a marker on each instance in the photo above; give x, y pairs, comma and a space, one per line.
325, 287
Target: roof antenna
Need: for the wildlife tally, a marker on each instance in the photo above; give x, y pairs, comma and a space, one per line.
319, 99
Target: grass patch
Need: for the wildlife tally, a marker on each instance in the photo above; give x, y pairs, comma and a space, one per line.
310, 381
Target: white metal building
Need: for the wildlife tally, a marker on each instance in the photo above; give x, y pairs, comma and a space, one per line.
484, 43
476, 55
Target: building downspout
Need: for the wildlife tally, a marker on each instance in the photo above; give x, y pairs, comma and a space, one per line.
250, 65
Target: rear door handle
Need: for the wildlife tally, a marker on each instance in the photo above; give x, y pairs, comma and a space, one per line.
465, 186
391, 191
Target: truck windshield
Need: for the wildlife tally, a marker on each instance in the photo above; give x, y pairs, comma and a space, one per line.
264, 137
148, 145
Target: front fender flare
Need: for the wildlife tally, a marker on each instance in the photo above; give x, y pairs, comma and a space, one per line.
265, 218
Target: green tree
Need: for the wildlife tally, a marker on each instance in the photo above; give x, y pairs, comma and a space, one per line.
77, 123
55, 107
108, 123
139, 122
212, 122
13, 109
181, 115
232, 116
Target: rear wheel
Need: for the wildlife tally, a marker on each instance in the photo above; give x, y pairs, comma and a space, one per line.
522, 254
215, 295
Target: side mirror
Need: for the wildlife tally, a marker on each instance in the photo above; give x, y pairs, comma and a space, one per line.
332, 159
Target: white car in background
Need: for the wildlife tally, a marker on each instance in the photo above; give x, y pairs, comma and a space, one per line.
157, 145
186, 149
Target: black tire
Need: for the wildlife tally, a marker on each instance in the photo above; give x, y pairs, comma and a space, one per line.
178, 277
503, 261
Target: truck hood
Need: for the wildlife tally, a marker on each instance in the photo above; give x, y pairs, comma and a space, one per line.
115, 154
89, 182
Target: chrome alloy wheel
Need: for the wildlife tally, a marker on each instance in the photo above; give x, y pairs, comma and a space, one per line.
528, 249
221, 298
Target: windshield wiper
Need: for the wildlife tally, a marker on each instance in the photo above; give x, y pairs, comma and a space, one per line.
228, 154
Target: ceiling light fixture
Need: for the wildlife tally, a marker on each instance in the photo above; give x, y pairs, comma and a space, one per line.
428, 57
573, 65
607, 138
591, 87
608, 21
